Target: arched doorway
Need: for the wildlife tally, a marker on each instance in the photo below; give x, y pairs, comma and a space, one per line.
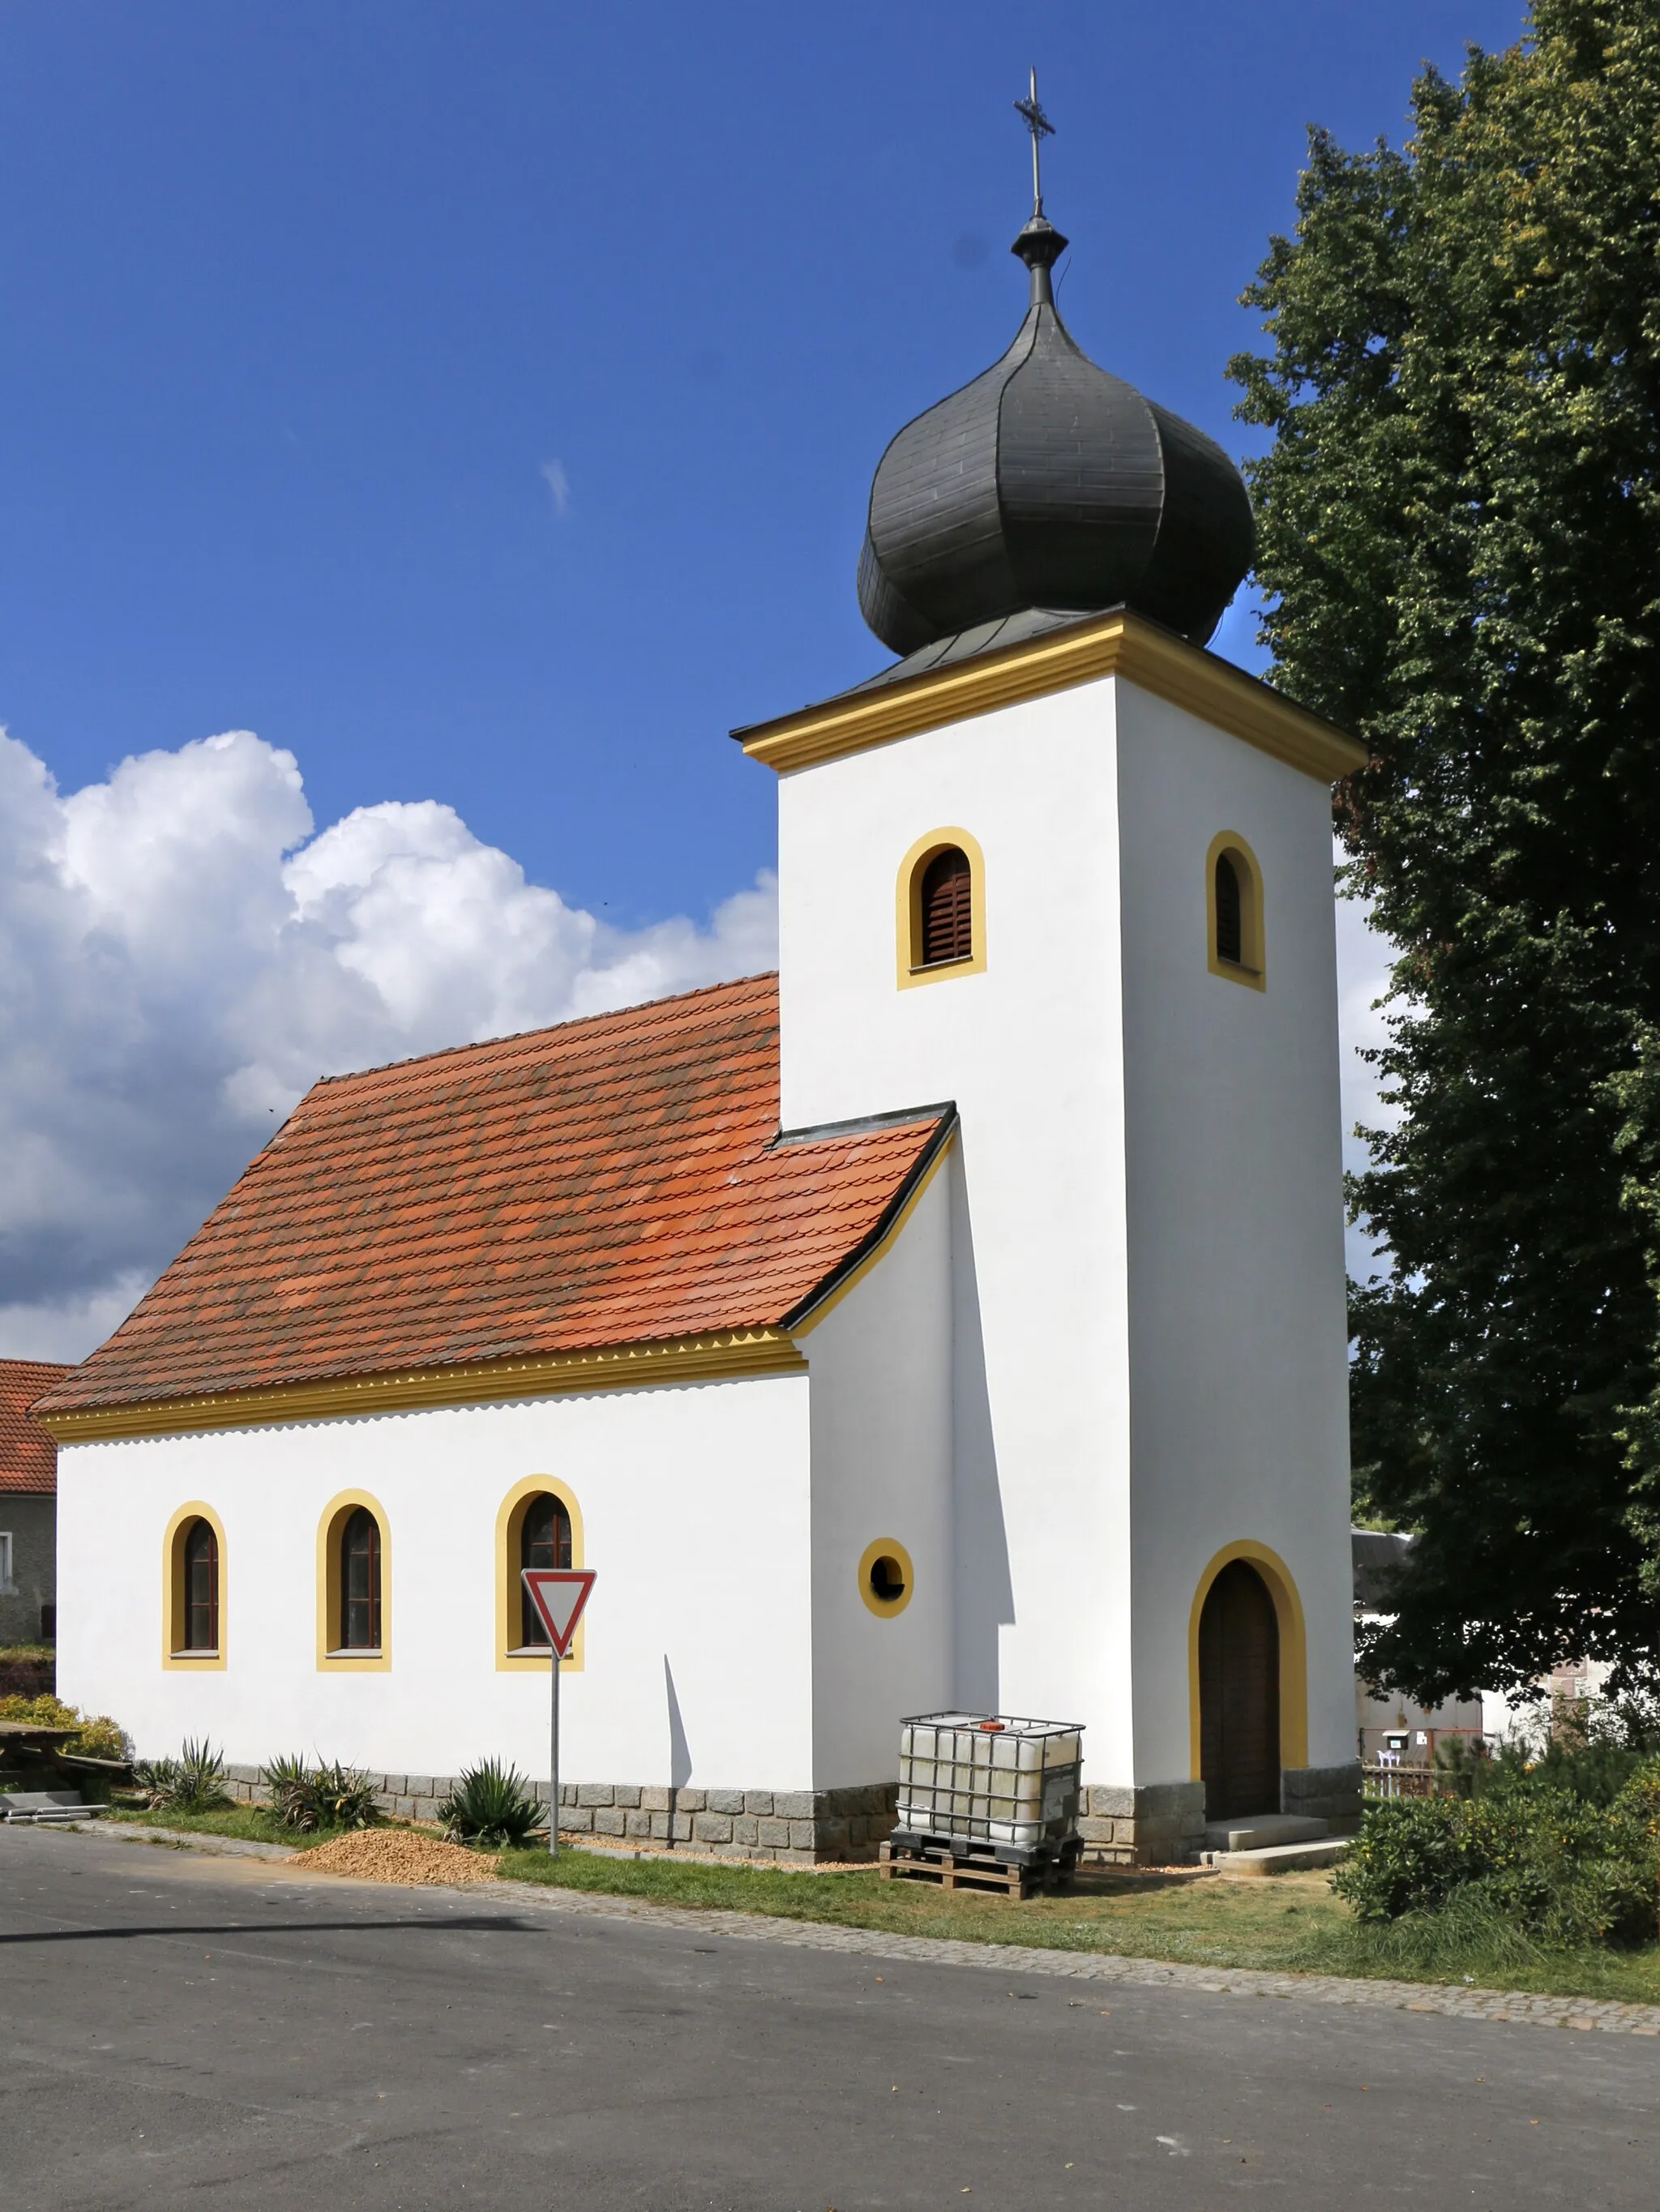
1239, 1695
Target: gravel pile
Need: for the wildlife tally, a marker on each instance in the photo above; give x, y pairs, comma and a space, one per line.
388, 1854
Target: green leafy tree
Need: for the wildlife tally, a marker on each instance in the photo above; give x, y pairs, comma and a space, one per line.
1460, 546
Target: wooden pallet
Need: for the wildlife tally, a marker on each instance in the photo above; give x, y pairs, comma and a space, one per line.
1018, 1882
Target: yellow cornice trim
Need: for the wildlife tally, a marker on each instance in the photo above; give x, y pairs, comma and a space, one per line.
711, 1358
1118, 644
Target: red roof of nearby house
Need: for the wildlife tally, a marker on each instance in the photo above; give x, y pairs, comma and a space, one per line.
611, 1182
28, 1457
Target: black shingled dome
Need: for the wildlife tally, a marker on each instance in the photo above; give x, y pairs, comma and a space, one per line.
1046, 482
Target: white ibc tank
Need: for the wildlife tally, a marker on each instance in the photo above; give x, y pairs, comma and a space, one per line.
989, 1778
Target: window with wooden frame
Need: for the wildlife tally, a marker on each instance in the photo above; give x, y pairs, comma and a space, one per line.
360, 1583
1233, 902
544, 1542
941, 909
201, 1588
537, 1524
353, 1585
192, 1604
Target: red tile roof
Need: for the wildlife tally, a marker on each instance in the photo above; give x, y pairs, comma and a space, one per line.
611, 1182
28, 1457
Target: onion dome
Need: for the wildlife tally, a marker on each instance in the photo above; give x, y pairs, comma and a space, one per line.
1049, 483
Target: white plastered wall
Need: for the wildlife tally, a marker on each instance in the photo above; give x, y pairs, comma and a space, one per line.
1237, 1325
1030, 1051
695, 1502
1083, 1318
880, 1361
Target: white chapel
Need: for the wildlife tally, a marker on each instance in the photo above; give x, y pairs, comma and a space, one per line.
954, 1319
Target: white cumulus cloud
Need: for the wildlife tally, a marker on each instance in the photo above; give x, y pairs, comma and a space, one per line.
180, 957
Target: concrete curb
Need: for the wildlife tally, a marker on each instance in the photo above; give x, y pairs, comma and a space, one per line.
1513, 2007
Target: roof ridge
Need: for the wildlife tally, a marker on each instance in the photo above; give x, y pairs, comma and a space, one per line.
734, 984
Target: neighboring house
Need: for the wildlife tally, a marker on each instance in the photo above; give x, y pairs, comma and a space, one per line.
1391, 1726
954, 1319
28, 1505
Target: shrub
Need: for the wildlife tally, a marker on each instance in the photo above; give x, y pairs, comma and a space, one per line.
1559, 1868
192, 1782
491, 1804
99, 1737
313, 1798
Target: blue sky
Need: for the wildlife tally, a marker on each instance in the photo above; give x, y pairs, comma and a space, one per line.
303, 300
474, 407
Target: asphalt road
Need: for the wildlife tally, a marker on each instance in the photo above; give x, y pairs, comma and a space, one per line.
175, 2028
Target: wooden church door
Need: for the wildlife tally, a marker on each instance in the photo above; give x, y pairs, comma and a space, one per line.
1239, 1696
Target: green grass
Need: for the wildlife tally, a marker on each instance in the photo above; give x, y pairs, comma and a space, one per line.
1290, 1925
249, 1823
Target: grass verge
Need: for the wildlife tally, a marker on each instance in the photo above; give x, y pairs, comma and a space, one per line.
1290, 1924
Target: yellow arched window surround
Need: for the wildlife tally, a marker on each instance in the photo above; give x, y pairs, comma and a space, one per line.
331, 1658
510, 1657
1293, 1650
175, 1592
911, 966
1251, 967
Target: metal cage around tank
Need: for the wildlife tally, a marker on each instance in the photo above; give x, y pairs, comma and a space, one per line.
993, 1783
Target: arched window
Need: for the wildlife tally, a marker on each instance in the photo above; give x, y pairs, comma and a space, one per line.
1229, 943
201, 1588
1233, 893
544, 1542
360, 1582
192, 1600
942, 908
947, 914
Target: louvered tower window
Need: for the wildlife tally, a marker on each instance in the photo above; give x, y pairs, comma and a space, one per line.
201, 1588
1230, 912
947, 909
360, 1583
545, 1541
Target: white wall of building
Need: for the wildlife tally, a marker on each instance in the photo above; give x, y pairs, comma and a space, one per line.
881, 1378
695, 1507
1031, 1051
1237, 1325
1131, 1279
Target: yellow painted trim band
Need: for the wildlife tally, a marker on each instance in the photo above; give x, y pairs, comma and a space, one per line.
329, 1529
175, 1598
1119, 644
712, 1358
509, 1590
1252, 971
907, 909
1293, 1651
885, 1547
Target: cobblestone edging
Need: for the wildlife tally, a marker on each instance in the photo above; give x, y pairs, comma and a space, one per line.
783, 1826
1514, 2007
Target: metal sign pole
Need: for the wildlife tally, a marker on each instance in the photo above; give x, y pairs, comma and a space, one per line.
553, 1763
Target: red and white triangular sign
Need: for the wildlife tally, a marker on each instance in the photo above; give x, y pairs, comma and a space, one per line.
559, 1595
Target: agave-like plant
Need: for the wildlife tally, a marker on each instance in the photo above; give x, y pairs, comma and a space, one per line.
492, 1803
192, 1782
323, 1796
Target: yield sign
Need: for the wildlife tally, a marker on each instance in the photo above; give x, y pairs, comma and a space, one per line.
559, 1595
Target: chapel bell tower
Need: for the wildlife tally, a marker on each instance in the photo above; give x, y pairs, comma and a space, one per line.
1062, 866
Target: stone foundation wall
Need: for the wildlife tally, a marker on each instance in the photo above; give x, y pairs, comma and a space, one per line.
1331, 1794
1161, 1824
796, 1826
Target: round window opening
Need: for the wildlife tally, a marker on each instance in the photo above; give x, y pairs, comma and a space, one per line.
885, 1577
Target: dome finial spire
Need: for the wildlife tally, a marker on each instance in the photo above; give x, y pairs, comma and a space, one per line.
1041, 128
1040, 244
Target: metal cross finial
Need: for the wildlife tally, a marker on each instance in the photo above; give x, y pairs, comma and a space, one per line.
1041, 128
